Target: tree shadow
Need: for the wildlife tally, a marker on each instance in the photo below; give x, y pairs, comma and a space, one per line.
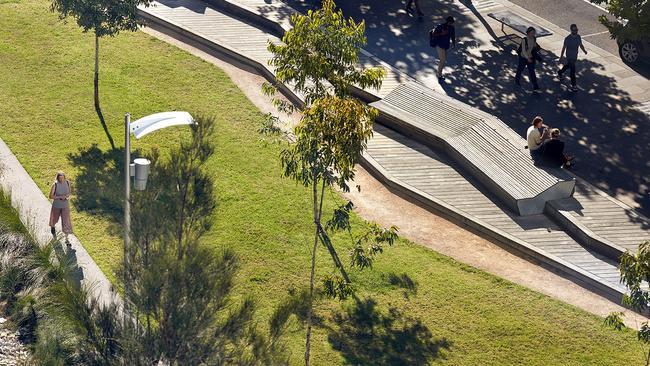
403, 281
366, 336
99, 184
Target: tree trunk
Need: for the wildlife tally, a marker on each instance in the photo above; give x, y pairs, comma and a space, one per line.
313, 268
96, 83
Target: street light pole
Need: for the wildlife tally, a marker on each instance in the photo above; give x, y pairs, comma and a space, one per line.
127, 197
141, 127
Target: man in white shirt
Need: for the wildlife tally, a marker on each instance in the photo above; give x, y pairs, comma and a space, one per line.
536, 134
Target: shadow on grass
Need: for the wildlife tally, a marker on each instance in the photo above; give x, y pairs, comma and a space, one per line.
366, 336
99, 185
403, 281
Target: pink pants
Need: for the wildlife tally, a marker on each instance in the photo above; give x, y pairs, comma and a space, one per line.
64, 214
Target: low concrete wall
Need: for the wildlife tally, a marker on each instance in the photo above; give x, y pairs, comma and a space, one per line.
34, 212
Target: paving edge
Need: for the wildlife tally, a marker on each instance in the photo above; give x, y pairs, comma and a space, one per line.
168, 26
575, 273
34, 211
581, 276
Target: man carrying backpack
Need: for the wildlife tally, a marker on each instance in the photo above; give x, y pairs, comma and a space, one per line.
443, 37
528, 55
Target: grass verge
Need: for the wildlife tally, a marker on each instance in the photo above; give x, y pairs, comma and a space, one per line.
443, 312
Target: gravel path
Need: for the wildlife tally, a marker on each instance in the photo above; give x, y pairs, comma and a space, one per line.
12, 352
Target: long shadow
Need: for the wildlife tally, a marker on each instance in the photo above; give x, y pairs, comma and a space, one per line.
366, 336
600, 124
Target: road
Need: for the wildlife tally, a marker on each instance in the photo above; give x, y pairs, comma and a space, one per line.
583, 14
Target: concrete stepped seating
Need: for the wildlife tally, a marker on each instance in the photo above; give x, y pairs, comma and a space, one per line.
482, 144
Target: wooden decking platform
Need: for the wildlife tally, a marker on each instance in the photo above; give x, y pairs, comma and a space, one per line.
481, 143
249, 40
442, 183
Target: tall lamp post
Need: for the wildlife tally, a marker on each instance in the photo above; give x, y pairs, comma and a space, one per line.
139, 169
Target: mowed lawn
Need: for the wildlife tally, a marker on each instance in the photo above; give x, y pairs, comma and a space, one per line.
469, 317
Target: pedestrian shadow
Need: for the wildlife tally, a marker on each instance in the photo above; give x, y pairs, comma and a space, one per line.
364, 335
68, 258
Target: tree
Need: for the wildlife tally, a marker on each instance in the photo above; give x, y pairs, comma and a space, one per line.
318, 58
635, 275
103, 18
632, 18
178, 286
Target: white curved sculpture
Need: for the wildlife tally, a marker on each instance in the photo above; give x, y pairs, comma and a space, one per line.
154, 122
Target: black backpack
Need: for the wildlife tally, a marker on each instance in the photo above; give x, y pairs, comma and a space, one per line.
433, 40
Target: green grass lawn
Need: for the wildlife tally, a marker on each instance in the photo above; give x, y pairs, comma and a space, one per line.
469, 317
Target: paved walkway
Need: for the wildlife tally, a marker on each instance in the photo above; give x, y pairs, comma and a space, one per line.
604, 124
538, 233
34, 212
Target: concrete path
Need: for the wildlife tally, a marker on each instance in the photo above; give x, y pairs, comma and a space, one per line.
34, 212
604, 124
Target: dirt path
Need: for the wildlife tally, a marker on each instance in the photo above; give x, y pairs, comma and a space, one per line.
376, 203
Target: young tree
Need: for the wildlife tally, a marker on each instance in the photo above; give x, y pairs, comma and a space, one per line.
318, 58
103, 18
632, 18
178, 286
635, 275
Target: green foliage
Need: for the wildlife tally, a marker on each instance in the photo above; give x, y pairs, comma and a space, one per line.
102, 17
615, 320
179, 288
319, 55
632, 18
635, 275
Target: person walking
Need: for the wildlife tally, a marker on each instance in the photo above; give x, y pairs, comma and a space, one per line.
409, 4
443, 37
528, 55
571, 44
60, 196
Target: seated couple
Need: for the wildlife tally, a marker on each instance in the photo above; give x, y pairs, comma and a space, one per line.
545, 145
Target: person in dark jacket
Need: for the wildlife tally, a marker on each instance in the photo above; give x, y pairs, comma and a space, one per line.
445, 38
553, 151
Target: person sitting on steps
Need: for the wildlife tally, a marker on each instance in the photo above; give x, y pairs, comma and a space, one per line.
536, 135
553, 151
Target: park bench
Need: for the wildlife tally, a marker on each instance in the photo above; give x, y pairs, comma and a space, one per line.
518, 23
480, 143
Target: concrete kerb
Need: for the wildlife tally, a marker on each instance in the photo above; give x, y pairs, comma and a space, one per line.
523, 249
34, 211
172, 29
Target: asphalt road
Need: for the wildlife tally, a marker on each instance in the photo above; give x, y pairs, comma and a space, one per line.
565, 12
